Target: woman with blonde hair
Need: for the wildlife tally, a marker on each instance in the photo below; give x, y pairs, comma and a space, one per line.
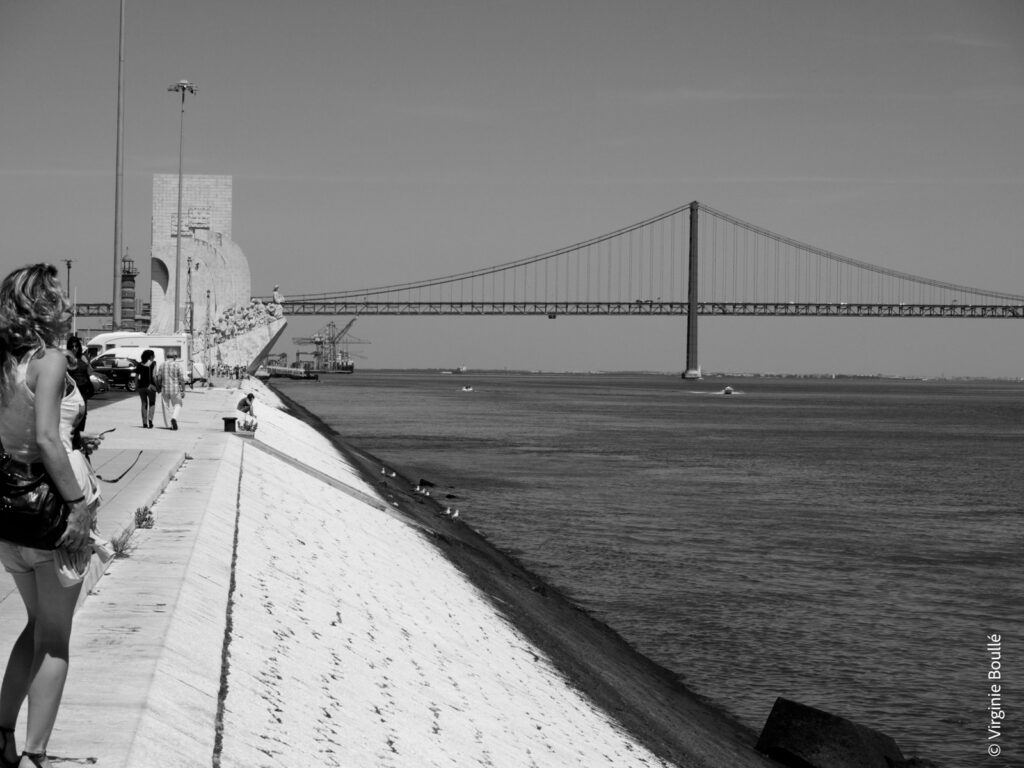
39, 405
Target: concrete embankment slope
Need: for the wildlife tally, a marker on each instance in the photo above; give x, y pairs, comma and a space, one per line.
288, 608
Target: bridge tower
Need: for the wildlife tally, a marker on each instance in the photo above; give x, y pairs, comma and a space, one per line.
692, 366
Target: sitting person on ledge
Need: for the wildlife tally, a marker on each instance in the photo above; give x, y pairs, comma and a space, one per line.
247, 413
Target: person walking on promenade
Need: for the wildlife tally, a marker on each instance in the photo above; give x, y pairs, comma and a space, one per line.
171, 382
147, 387
79, 370
38, 406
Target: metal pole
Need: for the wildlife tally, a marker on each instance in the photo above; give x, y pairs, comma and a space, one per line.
190, 308
183, 86
177, 223
692, 367
115, 320
207, 362
73, 296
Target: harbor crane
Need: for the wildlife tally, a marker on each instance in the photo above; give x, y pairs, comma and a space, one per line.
330, 348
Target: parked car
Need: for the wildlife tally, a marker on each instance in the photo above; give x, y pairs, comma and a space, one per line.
119, 370
100, 382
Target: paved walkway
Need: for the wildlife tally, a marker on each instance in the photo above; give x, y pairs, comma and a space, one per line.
124, 616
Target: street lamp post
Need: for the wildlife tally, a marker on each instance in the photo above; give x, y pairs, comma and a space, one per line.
190, 315
182, 87
74, 309
115, 298
188, 295
207, 363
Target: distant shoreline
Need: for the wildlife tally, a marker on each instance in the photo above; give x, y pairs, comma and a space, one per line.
712, 375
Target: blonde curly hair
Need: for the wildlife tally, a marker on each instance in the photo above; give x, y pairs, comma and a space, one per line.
34, 312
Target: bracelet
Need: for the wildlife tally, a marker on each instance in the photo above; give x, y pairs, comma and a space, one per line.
69, 502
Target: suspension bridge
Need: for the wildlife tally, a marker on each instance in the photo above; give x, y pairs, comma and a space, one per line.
687, 262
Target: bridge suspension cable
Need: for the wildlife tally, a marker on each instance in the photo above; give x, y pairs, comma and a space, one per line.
644, 269
609, 268
743, 262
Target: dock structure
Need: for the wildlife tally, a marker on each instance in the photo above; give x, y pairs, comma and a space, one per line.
288, 607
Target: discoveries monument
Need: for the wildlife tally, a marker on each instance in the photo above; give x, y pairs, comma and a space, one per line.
228, 326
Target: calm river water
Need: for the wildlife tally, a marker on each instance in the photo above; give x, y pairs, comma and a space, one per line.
846, 543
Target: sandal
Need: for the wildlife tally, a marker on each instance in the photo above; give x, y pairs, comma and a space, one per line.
39, 759
6, 740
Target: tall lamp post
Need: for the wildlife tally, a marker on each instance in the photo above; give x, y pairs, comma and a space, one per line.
190, 318
182, 87
115, 298
74, 309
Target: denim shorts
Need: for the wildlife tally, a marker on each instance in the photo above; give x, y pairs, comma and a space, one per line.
17, 559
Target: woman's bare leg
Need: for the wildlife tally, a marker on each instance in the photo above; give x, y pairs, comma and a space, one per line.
53, 611
19, 665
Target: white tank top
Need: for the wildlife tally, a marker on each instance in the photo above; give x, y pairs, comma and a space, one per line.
18, 417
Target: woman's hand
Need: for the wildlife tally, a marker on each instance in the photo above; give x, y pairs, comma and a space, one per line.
76, 536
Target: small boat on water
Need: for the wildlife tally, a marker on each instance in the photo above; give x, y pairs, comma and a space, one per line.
727, 391
467, 389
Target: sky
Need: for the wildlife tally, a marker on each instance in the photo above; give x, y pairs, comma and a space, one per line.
382, 142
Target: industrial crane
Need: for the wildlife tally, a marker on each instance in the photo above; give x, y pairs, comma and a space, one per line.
330, 348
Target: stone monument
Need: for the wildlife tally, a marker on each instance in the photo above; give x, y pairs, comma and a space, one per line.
215, 303
215, 261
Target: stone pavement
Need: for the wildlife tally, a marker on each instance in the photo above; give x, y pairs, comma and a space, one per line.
124, 610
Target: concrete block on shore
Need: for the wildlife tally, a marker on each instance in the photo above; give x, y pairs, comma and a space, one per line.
800, 736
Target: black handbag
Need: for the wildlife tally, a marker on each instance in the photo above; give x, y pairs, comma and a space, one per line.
32, 511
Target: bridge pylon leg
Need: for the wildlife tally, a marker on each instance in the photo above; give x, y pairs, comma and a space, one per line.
692, 367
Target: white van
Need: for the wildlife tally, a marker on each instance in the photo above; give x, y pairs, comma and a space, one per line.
129, 342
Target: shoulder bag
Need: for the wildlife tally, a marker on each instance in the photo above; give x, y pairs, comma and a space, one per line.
32, 511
